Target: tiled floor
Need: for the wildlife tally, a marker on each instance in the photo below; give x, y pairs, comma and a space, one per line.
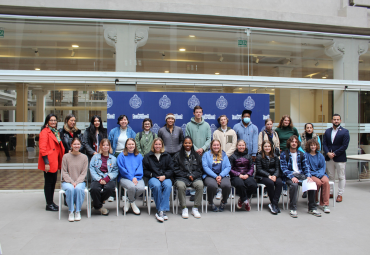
26, 228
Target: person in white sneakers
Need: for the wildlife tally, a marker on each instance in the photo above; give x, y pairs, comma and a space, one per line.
130, 166
188, 172
74, 171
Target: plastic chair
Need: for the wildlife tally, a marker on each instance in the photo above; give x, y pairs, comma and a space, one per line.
61, 192
145, 194
262, 186
177, 198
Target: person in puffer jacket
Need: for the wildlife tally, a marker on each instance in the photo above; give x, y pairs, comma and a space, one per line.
268, 173
241, 173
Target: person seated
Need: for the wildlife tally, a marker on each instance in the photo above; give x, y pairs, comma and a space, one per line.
104, 171
216, 167
295, 169
188, 172
130, 166
74, 171
241, 173
268, 173
158, 167
317, 164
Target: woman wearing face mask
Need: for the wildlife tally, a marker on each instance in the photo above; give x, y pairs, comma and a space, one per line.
145, 138
307, 135
241, 173
188, 173
119, 135
50, 158
130, 166
171, 135
93, 135
74, 170
70, 131
268, 134
158, 167
216, 166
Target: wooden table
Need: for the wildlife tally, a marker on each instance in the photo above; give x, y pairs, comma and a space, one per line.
361, 157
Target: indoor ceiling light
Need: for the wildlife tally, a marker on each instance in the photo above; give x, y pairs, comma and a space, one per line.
166, 71
75, 46
217, 73
37, 69
192, 36
182, 49
324, 77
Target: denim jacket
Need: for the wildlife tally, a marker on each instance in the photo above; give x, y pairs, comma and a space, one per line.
95, 165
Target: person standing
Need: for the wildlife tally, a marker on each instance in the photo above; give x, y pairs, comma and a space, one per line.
93, 135
145, 138
335, 144
226, 136
68, 132
268, 134
119, 135
248, 132
285, 130
171, 135
74, 171
200, 133
307, 135
51, 151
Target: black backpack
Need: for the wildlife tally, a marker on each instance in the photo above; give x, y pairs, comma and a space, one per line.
141, 135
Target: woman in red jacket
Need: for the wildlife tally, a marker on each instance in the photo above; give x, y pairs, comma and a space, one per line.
50, 158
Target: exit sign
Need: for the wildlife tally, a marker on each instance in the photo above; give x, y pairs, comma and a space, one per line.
242, 43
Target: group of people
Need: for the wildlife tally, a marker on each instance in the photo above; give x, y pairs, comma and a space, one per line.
238, 157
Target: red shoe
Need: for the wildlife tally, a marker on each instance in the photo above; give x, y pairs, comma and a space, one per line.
247, 206
240, 204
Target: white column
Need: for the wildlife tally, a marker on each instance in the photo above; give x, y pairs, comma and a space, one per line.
126, 39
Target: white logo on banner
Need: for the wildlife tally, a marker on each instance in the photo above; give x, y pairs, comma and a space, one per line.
213, 128
164, 102
109, 101
140, 116
249, 103
236, 117
193, 101
183, 127
265, 117
209, 116
178, 116
135, 102
111, 116
155, 128
221, 103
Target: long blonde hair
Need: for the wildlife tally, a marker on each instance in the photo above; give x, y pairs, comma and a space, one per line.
217, 156
101, 146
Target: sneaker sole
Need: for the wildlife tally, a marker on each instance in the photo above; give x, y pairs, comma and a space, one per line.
197, 217
71, 220
185, 217
159, 219
314, 214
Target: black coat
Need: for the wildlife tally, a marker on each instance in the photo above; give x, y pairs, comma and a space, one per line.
66, 138
190, 167
89, 143
153, 167
266, 167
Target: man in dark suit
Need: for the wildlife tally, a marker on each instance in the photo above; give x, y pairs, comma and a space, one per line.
335, 144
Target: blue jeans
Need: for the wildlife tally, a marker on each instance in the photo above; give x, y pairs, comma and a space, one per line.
161, 193
74, 195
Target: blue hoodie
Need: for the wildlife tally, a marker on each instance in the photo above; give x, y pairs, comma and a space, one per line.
249, 134
207, 161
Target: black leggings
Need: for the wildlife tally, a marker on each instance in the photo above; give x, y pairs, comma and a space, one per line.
245, 188
49, 187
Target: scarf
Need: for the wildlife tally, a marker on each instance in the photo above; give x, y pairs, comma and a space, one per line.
305, 137
56, 133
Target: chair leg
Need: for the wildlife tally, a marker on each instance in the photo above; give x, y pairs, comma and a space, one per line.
87, 202
258, 198
173, 205
149, 197
206, 201
125, 206
60, 204
287, 199
119, 196
262, 194
117, 202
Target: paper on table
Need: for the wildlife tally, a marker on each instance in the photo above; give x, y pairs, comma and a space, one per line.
308, 186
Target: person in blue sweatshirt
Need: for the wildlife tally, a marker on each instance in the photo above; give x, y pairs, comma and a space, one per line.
317, 164
131, 173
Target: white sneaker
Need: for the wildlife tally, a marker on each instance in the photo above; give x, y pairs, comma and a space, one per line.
77, 216
195, 213
293, 214
135, 209
159, 216
185, 213
71, 217
219, 194
111, 199
326, 209
165, 217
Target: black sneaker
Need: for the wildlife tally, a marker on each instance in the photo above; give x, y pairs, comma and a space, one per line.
51, 208
192, 197
222, 207
277, 209
214, 208
304, 195
272, 209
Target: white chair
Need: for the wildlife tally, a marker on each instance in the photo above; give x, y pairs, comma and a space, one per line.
117, 200
145, 195
61, 192
262, 186
171, 200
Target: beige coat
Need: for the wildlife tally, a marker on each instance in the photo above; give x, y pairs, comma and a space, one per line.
228, 140
275, 140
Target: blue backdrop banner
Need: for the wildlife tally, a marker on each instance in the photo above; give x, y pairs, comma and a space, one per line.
155, 105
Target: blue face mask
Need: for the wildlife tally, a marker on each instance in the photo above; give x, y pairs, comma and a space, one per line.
246, 120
